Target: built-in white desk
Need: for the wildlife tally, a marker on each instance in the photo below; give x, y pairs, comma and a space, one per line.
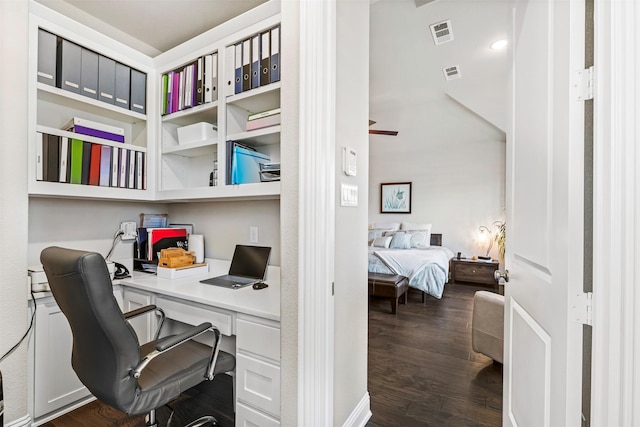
251, 316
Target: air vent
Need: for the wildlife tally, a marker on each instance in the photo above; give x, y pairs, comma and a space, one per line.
452, 73
442, 32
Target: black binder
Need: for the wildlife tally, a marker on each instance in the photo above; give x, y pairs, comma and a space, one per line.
275, 55
246, 65
265, 58
47, 48
68, 66
106, 80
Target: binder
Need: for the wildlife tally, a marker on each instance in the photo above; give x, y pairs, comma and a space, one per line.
91, 128
68, 66
105, 165
176, 91
64, 159
265, 57
47, 48
115, 169
94, 164
163, 238
131, 170
255, 61
200, 81
246, 65
106, 79
89, 73
53, 158
238, 68
86, 161
138, 91
229, 70
211, 77
165, 94
124, 163
39, 156
77, 148
123, 86
275, 55
180, 104
140, 170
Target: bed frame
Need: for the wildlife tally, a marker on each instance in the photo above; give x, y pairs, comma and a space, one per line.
436, 239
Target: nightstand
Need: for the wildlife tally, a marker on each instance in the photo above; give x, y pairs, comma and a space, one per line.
473, 271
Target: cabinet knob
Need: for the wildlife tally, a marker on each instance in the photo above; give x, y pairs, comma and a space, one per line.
501, 275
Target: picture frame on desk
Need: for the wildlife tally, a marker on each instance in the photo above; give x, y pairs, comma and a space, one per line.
395, 197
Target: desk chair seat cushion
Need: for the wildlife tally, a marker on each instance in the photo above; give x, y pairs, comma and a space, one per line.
105, 346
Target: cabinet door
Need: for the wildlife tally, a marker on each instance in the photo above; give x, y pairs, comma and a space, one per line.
56, 384
144, 325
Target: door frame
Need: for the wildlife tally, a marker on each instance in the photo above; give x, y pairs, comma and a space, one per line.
616, 333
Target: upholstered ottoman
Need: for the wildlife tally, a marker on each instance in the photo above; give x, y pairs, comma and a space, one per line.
487, 329
390, 286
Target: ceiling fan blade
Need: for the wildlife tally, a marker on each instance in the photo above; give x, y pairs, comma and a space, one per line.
383, 132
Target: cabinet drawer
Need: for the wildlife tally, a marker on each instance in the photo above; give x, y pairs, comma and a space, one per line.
249, 417
258, 384
477, 273
258, 339
194, 314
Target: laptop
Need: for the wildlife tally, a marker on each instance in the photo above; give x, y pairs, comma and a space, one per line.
248, 266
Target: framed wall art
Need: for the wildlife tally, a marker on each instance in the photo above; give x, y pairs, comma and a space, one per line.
395, 197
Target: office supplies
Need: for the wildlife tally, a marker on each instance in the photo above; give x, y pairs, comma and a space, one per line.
138, 91
199, 81
106, 79
265, 56
229, 72
275, 55
89, 73
115, 166
263, 122
91, 128
123, 85
131, 170
64, 159
86, 161
246, 65
140, 184
68, 66
77, 147
105, 165
124, 162
94, 164
53, 158
238, 68
248, 266
39, 156
210, 77
245, 165
47, 57
176, 257
163, 238
255, 61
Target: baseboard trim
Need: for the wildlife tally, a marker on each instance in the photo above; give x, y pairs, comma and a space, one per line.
361, 413
20, 422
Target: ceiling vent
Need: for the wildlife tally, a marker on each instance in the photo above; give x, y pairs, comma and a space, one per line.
452, 73
442, 32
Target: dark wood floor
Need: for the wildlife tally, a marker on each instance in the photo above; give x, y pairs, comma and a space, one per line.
422, 369
422, 372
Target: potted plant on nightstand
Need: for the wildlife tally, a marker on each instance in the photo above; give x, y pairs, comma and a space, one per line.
500, 238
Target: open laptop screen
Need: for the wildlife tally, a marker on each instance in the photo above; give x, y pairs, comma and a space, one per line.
250, 261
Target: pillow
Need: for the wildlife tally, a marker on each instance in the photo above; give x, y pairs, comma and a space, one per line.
420, 239
400, 241
391, 226
376, 233
382, 242
415, 226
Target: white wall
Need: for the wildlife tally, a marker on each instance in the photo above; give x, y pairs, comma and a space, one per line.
456, 163
14, 46
351, 292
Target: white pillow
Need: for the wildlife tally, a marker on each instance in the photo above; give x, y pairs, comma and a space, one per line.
392, 226
400, 241
378, 232
420, 239
415, 226
382, 242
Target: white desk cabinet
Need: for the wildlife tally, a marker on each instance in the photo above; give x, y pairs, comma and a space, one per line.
144, 325
56, 388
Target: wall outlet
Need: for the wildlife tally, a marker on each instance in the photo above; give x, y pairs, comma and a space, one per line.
129, 231
253, 234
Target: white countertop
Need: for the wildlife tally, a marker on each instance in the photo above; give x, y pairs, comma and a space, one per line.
263, 303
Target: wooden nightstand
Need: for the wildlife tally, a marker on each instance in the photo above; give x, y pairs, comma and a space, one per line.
467, 270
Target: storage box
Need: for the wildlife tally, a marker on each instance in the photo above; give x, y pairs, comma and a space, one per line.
245, 166
177, 273
197, 132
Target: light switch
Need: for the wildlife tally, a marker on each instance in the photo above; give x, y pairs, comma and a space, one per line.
348, 195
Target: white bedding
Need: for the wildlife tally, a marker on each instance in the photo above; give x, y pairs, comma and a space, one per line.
427, 269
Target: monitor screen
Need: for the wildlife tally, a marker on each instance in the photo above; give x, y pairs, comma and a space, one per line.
250, 261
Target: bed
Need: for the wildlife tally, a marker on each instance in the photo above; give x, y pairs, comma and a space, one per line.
426, 265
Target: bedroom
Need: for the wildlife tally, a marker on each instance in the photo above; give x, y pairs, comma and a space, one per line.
451, 133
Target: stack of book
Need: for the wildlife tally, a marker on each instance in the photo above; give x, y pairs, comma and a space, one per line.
269, 172
263, 119
191, 85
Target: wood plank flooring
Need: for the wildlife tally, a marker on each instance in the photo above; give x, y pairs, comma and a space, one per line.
422, 372
422, 369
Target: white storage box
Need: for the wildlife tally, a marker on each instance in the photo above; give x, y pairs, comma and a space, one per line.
177, 273
197, 132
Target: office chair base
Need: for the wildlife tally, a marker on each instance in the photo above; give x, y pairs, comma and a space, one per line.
200, 422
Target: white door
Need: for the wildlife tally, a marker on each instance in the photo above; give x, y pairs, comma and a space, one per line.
543, 352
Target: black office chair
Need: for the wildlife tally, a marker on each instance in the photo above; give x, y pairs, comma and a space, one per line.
107, 356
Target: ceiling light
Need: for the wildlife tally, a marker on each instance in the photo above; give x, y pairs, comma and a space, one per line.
500, 44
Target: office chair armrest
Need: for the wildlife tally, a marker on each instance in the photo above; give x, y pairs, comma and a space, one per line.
172, 342
147, 309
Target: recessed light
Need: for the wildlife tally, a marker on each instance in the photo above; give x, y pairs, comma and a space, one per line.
500, 44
